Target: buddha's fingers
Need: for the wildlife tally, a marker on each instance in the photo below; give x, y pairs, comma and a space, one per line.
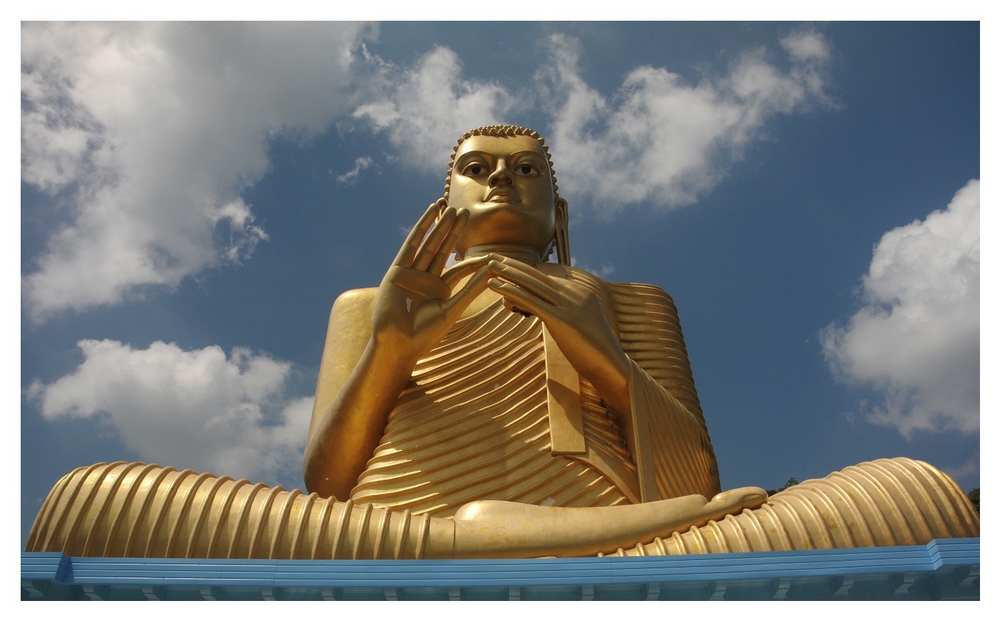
454, 274
432, 245
736, 500
519, 300
404, 258
523, 293
530, 280
423, 284
447, 247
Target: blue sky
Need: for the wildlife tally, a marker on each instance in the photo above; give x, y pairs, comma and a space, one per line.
194, 197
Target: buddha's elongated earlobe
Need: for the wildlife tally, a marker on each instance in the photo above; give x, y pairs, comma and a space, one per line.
562, 231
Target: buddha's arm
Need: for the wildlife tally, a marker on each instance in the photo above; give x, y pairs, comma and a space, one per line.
357, 387
666, 429
498, 529
375, 339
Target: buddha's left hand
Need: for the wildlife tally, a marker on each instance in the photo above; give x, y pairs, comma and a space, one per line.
574, 318
501, 529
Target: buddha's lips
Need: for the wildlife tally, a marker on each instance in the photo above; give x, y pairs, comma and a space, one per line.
501, 195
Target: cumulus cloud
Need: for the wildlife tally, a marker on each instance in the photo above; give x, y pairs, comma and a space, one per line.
658, 139
147, 135
916, 339
663, 140
425, 109
188, 409
149, 132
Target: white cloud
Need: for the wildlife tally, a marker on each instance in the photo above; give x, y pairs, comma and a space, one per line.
149, 133
351, 176
660, 139
425, 109
243, 233
916, 340
806, 46
154, 130
188, 409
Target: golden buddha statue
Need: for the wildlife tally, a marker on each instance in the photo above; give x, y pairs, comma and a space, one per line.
506, 406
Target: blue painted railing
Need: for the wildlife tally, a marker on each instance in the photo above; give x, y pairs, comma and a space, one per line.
942, 569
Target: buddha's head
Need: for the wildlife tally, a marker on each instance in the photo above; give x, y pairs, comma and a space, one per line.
503, 175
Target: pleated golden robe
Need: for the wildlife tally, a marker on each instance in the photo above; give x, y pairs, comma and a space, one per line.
476, 421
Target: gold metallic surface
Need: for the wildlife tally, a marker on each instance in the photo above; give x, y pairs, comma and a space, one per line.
562, 387
887, 502
146, 511
473, 424
506, 406
141, 510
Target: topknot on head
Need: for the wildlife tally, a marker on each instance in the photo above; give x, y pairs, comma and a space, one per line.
502, 131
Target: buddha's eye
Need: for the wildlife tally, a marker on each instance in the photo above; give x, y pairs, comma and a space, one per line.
526, 169
474, 170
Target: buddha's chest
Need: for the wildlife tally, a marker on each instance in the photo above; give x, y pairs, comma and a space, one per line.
474, 424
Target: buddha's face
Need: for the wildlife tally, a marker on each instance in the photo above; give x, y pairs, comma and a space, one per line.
506, 186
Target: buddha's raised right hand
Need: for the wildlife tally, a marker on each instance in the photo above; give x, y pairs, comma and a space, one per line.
412, 310
415, 306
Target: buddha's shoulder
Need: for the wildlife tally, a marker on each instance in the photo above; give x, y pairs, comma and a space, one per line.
625, 291
355, 300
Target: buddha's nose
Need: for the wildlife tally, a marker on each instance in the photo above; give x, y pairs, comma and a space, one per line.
500, 176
